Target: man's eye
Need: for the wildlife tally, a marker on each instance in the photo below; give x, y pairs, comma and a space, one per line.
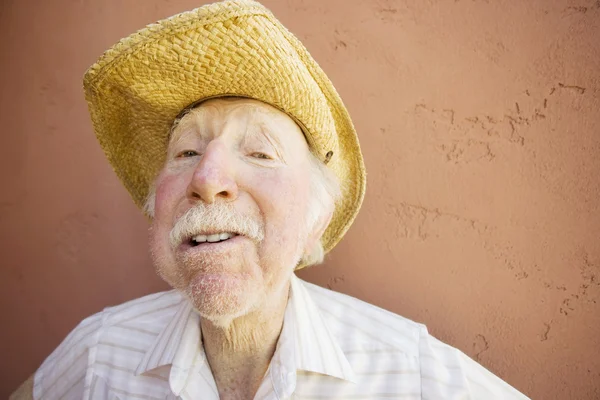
260, 155
187, 153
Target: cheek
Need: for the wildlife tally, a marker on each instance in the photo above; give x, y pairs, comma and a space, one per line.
169, 190
283, 202
167, 196
286, 195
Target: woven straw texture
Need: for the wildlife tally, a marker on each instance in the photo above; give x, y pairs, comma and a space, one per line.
232, 48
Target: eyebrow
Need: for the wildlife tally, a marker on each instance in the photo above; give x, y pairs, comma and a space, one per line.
182, 126
264, 127
273, 139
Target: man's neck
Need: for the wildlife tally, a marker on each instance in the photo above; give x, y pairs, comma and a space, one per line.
240, 352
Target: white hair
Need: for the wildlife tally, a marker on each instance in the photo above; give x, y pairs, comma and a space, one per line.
325, 192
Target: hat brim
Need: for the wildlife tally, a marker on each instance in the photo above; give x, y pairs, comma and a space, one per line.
233, 48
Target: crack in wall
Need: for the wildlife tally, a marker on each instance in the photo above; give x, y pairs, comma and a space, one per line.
544, 335
419, 222
335, 281
475, 138
580, 9
480, 345
588, 291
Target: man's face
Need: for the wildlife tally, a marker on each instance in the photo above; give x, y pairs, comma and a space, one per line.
240, 169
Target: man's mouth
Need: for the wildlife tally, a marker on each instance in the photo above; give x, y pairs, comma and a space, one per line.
212, 238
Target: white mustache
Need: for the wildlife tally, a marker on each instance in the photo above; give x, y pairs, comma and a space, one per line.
218, 217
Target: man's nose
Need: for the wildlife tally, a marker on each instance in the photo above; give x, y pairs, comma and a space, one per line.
214, 176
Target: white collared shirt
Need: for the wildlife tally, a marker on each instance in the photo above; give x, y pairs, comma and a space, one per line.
332, 346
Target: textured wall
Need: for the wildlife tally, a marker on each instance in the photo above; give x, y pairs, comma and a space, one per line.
480, 125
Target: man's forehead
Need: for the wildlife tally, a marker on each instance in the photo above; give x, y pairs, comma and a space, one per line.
222, 109
224, 106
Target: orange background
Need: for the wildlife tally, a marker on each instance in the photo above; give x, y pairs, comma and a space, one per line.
480, 126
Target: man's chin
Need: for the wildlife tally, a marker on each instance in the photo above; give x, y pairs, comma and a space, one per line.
222, 297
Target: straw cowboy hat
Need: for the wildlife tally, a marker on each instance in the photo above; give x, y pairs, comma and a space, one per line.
138, 87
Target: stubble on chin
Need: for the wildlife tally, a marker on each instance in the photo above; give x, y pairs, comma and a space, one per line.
219, 287
224, 298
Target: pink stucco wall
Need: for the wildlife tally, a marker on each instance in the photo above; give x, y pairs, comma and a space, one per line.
480, 126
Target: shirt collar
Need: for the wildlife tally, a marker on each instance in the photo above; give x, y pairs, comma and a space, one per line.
180, 345
305, 344
162, 351
316, 348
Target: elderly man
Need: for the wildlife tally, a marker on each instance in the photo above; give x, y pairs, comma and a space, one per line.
237, 146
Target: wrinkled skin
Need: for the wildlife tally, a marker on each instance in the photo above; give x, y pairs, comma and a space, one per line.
252, 159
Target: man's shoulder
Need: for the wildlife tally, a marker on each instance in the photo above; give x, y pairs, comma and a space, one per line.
401, 353
355, 321
147, 314
145, 308
117, 333
142, 310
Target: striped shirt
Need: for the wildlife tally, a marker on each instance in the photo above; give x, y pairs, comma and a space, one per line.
331, 346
